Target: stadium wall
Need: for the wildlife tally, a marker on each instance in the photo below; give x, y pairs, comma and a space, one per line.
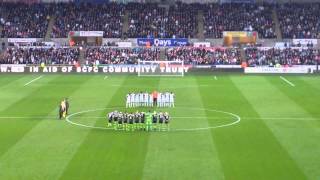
133, 69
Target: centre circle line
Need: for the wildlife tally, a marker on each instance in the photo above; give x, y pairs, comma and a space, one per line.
238, 119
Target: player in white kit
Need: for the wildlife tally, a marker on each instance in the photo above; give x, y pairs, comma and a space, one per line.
128, 100
159, 100
163, 100
171, 99
167, 99
140, 99
136, 98
146, 99
150, 102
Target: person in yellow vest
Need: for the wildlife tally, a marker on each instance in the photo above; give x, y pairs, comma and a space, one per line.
62, 109
42, 65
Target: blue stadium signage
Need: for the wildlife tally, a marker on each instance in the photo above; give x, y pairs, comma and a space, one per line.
162, 42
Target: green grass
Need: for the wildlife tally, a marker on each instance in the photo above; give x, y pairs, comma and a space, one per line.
277, 137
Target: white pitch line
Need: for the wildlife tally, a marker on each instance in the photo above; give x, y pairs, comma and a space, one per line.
105, 77
287, 81
33, 80
190, 129
215, 77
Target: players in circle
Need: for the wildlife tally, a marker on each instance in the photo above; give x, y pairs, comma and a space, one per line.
143, 121
155, 99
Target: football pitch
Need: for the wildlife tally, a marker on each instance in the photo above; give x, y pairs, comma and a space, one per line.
234, 127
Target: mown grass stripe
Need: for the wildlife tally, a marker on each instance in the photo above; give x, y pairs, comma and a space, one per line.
5, 79
14, 91
35, 142
177, 155
244, 150
119, 149
301, 134
13, 129
272, 151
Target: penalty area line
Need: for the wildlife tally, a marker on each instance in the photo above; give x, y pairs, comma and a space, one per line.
33, 80
287, 81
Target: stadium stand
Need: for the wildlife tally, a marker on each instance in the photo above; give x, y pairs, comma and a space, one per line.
287, 56
88, 17
150, 20
107, 55
238, 17
146, 20
299, 20
175, 20
37, 55
212, 56
24, 21
182, 21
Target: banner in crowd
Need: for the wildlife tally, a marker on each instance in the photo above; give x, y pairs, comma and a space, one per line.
237, 1
22, 40
86, 33
162, 42
240, 33
281, 70
227, 66
201, 44
124, 44
305, 41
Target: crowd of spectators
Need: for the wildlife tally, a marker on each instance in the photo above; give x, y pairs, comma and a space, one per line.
23, 20
238, 17
107, 55
210, 56
105, 17
182, 21
40, 55
190, 55
299, 20
146, 20
284, 56
179, 20
150, 20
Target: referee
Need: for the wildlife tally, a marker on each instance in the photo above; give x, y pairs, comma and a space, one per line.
155, 98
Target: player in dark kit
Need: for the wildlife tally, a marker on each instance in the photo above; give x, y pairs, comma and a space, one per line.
154, 120
110, 119
136, 120
60, 112
125, 121
142, 121
67, 105
120, 120
131, 120
115, 119
166, 119
161, 121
